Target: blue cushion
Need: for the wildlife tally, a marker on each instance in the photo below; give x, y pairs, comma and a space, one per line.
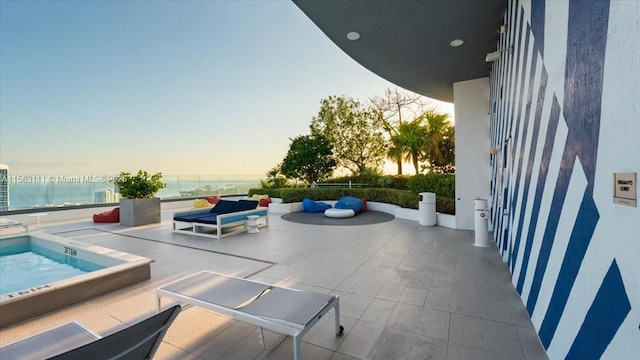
243, 205
314, 206
208, 219
190, 217
348, 202
223, 207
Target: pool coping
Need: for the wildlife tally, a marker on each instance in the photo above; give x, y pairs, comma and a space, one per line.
123, 269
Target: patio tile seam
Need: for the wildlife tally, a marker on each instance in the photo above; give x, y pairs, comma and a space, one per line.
172, 244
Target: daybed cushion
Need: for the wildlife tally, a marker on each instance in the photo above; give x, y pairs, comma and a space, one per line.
227, 206
312, 206
348, 202
193, 217
246, 205
207, 218
111, 216
339, 213
224, 207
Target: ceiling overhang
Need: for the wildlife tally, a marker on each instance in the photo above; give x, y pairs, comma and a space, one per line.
408, 42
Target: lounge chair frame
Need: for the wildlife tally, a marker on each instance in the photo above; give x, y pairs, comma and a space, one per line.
226, 224
179, 291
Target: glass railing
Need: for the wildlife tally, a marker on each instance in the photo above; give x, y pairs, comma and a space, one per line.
20, 192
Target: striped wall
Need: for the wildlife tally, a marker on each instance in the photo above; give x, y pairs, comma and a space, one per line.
565, 116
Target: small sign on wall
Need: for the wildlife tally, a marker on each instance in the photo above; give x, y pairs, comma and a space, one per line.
625, 189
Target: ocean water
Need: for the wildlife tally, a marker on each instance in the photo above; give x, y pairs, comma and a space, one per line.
55, 191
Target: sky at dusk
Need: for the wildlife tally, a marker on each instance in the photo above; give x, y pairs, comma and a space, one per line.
178, 87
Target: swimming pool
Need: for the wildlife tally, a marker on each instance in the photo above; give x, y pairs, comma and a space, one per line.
89, 271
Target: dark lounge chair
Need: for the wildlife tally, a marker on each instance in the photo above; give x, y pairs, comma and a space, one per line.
72, 341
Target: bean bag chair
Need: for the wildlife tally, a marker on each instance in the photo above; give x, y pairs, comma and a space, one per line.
111, 216
312, 206
348, 202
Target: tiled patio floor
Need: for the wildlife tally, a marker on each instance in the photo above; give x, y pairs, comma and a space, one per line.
407, 292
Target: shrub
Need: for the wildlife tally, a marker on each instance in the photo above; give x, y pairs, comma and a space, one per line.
394, 181
443, 185
275, 193
446, 205
402, 198
140, 186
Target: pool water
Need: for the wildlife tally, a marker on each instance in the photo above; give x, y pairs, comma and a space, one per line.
28, 266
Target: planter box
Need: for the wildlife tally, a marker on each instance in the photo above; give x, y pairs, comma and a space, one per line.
137, 212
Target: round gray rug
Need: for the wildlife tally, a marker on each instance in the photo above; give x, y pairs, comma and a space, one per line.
364, 218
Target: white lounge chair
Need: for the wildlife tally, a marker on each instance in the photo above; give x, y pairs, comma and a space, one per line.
11, 227
281, 310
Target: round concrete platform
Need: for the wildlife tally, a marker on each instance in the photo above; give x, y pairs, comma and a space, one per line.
364, 218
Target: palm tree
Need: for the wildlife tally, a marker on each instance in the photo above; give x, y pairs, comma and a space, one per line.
395, 152
410, 142
439, 132
275, 179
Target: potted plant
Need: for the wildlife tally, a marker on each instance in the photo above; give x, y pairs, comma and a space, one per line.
138, 204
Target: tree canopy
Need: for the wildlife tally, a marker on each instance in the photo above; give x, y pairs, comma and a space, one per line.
358, 141
428, 138
399, 126
439, 150
391, 110
275, 178
310, 158
410, 142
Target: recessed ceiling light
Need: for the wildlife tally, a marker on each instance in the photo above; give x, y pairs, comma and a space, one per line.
456, 42
354, 35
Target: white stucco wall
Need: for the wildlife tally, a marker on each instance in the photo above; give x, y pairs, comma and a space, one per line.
473, 172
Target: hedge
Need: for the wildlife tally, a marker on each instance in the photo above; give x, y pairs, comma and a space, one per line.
383, 181
402, 198
274, 193
443, 185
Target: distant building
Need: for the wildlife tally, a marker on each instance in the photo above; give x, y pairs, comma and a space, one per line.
4, 187
105, 196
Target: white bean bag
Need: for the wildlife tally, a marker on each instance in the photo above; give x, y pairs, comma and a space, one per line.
339, 213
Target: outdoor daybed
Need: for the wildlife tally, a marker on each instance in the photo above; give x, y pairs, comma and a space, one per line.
224, 219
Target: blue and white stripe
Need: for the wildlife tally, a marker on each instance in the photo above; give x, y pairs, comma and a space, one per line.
546, 120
